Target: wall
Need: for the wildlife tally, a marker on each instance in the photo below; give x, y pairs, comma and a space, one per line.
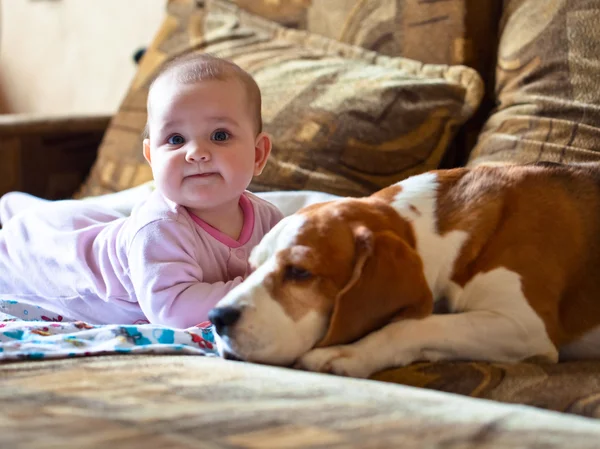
71, 56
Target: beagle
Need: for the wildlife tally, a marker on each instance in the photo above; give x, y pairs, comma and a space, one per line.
489, 263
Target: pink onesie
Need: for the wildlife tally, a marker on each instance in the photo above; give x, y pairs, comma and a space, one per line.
160, 265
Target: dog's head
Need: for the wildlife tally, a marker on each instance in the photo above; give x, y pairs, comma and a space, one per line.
329, 274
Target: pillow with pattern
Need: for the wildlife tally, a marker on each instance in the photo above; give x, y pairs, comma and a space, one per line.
343, 119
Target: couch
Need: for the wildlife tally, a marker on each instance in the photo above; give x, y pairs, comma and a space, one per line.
424, 84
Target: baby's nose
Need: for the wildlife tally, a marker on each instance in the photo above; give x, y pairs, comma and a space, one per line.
198, 154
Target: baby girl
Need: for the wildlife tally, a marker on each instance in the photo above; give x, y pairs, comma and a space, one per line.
181, 249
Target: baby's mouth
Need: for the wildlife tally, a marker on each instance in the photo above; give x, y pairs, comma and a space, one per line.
203, 175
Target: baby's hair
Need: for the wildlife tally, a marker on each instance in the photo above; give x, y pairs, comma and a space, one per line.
194, 67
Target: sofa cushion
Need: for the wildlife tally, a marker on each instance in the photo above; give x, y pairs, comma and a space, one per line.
548, 87
570, 387
182, 402
447, 32
344, 120
436, 32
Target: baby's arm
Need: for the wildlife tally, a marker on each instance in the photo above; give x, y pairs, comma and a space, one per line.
167, 279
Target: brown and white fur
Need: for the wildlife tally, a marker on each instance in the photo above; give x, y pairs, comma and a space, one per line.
354, 286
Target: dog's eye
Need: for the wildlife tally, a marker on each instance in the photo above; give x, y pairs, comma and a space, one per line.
296, 273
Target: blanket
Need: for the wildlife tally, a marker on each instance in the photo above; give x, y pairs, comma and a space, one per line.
30, 332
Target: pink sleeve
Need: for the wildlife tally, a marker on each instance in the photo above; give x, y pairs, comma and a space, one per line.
277, 215
167, 279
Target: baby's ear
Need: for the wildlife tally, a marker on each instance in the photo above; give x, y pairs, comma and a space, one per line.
146, 150
262, 150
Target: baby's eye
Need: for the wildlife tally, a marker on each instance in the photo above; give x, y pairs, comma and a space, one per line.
220, 136
176, 139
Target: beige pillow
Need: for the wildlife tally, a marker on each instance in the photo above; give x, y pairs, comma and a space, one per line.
548, 85
437, 32
344, 120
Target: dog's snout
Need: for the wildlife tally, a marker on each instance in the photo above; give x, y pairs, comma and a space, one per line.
224, 317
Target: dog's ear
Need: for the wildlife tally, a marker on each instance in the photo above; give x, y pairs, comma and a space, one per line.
387, 284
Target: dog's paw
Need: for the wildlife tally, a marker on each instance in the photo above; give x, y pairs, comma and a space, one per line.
340, 360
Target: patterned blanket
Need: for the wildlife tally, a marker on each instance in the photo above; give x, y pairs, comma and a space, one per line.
30, 332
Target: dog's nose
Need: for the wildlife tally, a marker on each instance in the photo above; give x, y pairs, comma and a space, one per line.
223, 318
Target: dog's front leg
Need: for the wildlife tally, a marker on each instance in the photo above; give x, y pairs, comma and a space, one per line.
474, 335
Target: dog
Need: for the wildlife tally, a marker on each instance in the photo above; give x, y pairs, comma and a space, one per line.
493, 263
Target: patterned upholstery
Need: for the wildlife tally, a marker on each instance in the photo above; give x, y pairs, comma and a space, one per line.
184, 402
434, 32
344, 120
572, 387
437, 32
548, 88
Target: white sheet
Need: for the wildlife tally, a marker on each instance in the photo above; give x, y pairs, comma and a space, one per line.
287, 201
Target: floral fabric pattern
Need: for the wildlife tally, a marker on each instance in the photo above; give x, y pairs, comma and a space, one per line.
30, 332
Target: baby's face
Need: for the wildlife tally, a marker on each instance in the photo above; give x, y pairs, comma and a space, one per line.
202, 141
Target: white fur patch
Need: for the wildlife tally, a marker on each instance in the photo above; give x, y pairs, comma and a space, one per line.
264, 332
417, 203
282, 235
500, 292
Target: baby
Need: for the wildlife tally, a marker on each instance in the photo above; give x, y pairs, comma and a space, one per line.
184, 247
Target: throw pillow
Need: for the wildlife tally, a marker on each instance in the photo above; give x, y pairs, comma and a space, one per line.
548, 88
344, 120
